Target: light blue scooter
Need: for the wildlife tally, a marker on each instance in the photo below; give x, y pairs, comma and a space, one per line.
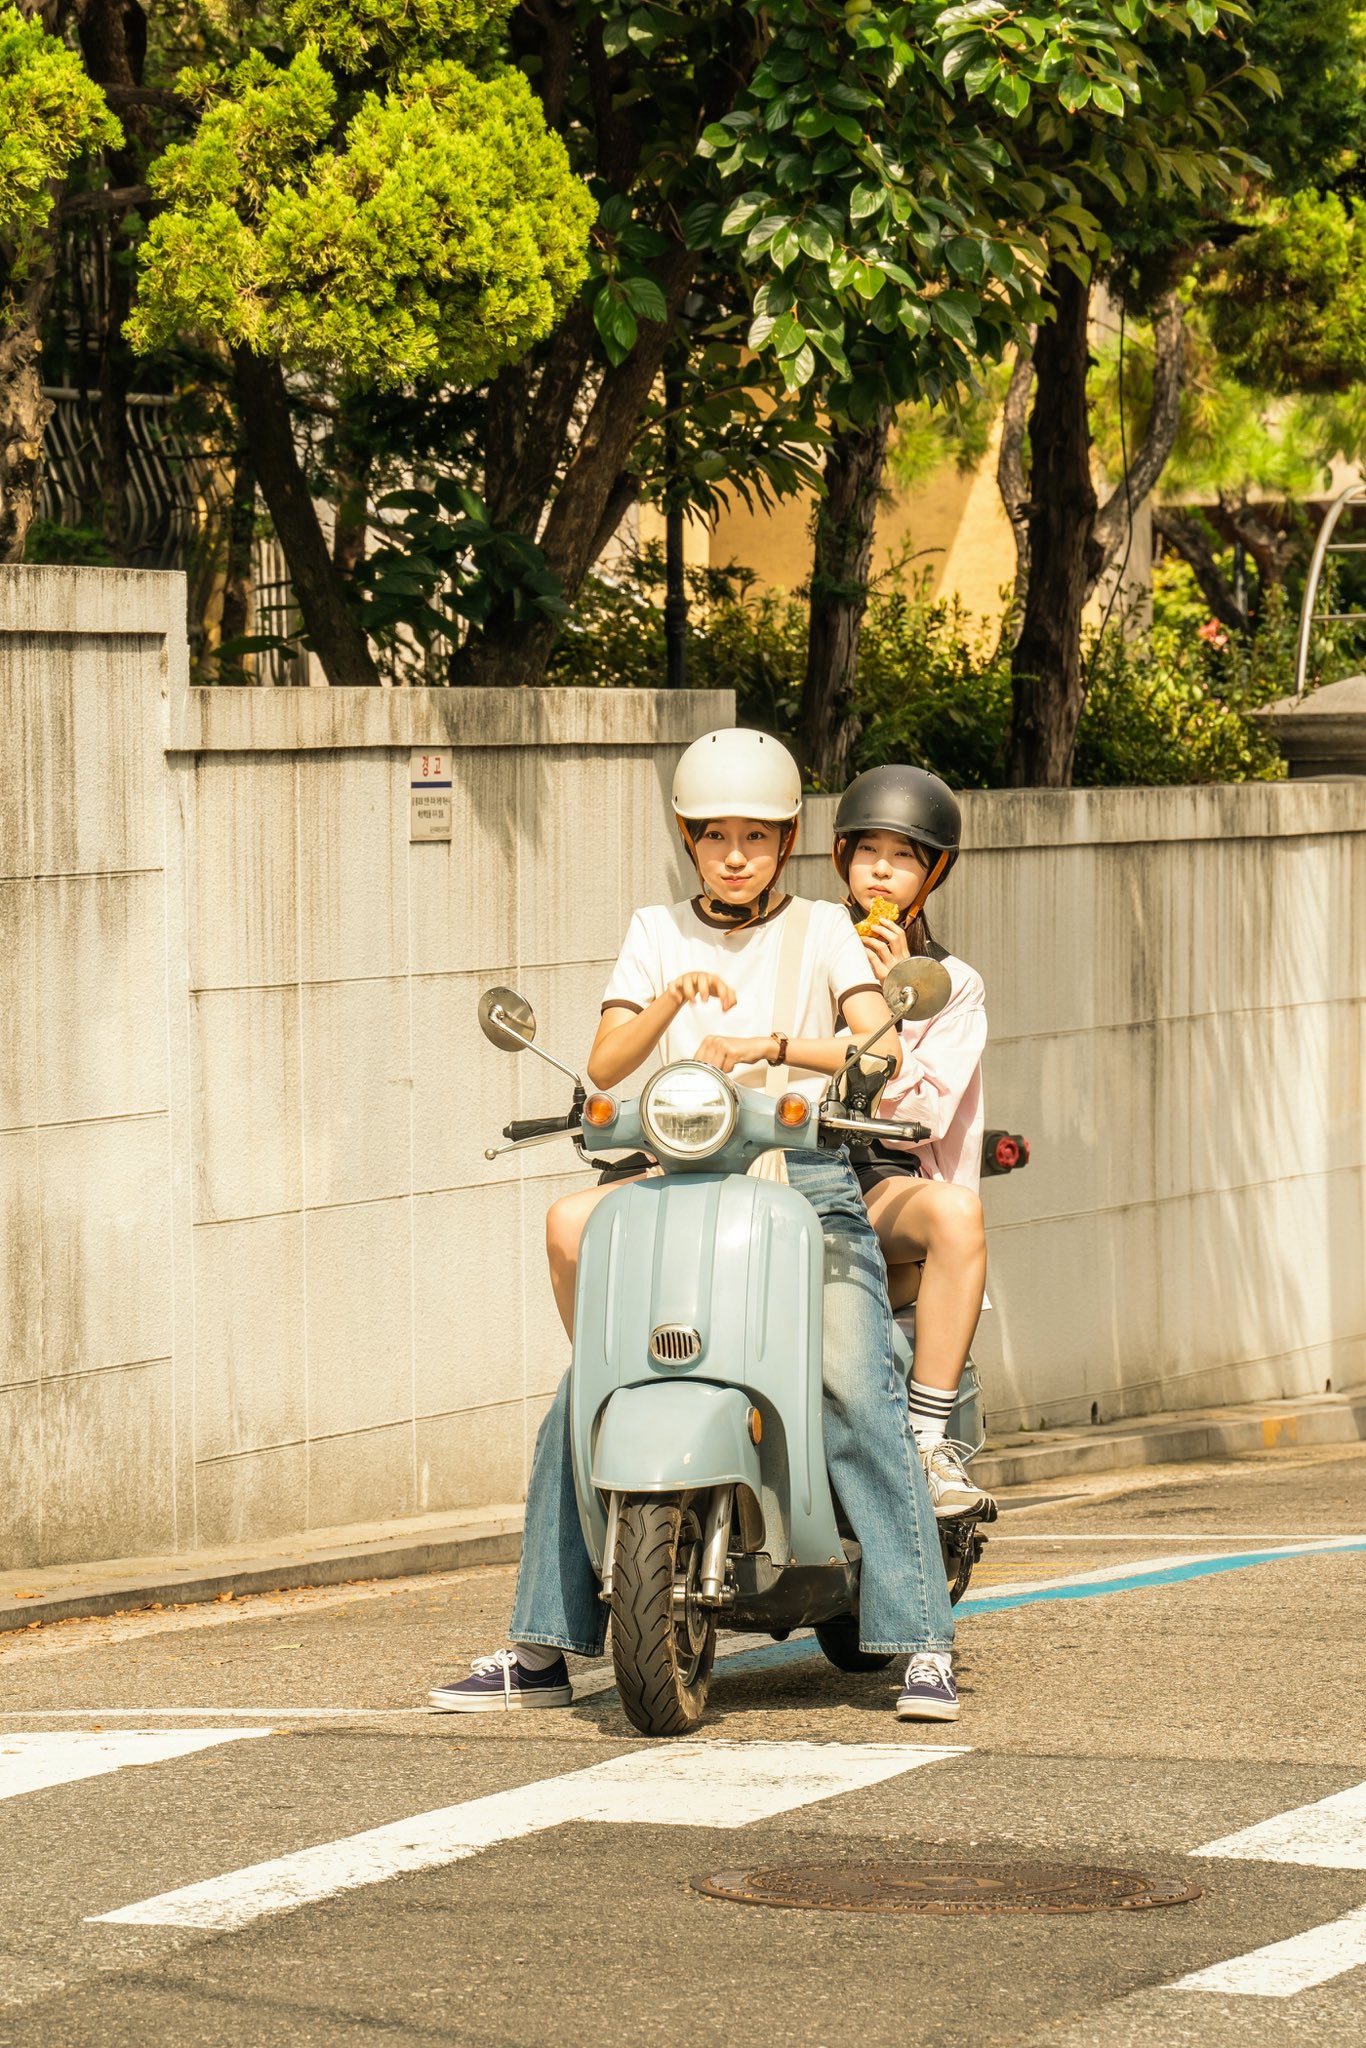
695, 1386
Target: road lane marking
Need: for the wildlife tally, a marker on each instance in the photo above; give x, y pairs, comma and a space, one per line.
694, 1784
188, 1713
33, 1763
1140, 1575
1285, 1967
1331, 1834
1104, 1536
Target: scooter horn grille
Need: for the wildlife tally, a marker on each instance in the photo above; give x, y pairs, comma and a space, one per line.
675, 1344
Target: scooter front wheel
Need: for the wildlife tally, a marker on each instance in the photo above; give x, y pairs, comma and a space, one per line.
663, 1639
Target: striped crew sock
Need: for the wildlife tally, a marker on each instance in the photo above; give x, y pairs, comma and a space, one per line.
930, 1409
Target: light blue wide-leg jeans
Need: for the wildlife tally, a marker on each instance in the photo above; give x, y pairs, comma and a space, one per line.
903, 1599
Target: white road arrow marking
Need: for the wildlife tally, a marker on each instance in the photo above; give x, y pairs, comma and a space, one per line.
695, 1784
1331, 1834
1285, 1967
33, 1763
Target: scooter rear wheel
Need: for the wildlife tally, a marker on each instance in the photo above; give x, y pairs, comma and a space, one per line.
839, 1641
663, 1640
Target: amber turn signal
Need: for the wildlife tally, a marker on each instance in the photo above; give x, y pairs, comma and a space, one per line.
599, 1111
793, 1111
756, 1426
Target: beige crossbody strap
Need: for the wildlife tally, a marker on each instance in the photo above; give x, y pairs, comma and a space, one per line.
796, 925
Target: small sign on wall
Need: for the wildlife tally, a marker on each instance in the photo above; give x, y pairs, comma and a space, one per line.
431, 802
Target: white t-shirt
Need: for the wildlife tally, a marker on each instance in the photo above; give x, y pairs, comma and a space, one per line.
675, 938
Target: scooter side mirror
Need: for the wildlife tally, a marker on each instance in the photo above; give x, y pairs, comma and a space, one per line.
916, 988
506, 1019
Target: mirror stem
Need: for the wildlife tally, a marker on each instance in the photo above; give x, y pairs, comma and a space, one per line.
500, 1017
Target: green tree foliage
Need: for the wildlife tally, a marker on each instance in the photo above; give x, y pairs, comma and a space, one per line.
438, 237
50, 114
1287, 304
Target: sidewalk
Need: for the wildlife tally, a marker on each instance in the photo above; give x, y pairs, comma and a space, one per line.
433, 1543
1193, 1436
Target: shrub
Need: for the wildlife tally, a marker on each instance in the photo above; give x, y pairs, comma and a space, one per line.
1165, 706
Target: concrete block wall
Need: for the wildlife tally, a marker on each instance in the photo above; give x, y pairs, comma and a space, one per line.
373, 1328
1176, 986
258, 1275
87, 1378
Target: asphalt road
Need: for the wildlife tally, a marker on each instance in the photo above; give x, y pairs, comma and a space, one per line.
1128, 1701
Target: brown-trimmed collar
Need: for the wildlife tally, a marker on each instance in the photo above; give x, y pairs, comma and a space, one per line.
716, 924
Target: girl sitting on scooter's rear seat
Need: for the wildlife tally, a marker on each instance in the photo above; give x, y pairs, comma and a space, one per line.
897, 834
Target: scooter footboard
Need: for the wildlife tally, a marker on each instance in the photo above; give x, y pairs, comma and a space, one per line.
672, 1436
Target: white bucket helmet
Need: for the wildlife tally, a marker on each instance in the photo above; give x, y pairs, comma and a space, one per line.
735, 773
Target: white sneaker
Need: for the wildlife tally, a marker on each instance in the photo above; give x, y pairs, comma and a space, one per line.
951, 1491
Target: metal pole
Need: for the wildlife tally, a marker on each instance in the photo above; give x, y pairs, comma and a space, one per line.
1355, 493
675, 590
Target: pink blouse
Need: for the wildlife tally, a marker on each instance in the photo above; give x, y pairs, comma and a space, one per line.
940, 1083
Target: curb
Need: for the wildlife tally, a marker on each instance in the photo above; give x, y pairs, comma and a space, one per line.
497, 1542
1118, 1447
1234, 1433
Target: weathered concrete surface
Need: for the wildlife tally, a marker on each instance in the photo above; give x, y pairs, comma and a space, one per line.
259, 1277
1176, 986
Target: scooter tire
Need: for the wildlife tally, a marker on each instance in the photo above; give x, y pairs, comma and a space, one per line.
839, 1642
662, 1662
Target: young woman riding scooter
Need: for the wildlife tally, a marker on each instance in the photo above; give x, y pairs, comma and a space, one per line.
704, 980
897, 836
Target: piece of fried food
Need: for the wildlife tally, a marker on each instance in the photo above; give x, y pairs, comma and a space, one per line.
881, 907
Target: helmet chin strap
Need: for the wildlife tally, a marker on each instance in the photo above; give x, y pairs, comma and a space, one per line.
741, 915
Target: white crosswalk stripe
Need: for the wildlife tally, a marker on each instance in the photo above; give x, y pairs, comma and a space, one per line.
1285, 1967
703, 1784
34, 1763
1330, 1835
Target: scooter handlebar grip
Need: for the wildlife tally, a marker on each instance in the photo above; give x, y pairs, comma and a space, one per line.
538, 1127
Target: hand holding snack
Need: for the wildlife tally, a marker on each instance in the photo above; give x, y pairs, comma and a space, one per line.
881, 908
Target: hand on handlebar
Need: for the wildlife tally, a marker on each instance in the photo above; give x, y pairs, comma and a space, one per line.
701, 988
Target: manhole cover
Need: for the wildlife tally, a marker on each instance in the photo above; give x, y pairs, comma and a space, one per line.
946, 1888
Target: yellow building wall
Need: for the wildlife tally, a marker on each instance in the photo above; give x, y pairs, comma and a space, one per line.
952, 526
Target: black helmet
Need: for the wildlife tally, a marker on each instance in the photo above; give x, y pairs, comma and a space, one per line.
910, 801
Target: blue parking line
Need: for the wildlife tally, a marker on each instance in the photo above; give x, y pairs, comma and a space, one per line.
767, 1655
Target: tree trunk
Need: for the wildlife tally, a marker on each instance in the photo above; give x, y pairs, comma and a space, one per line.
113, 39
333, 631
845, 519
1190, 538
24, 412
353, 461
513, 652
236, 615
1011, 478
1047, 682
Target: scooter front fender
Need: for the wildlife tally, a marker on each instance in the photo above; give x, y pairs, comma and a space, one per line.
675, 1435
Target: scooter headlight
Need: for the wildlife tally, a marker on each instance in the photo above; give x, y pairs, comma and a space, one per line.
689, 1110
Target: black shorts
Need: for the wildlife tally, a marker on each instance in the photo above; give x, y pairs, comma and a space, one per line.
880, 1163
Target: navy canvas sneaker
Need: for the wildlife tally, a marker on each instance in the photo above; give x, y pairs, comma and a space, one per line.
928, 1692
499, 1683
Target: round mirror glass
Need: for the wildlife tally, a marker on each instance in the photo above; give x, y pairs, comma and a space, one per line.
501, 1008
916, 988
